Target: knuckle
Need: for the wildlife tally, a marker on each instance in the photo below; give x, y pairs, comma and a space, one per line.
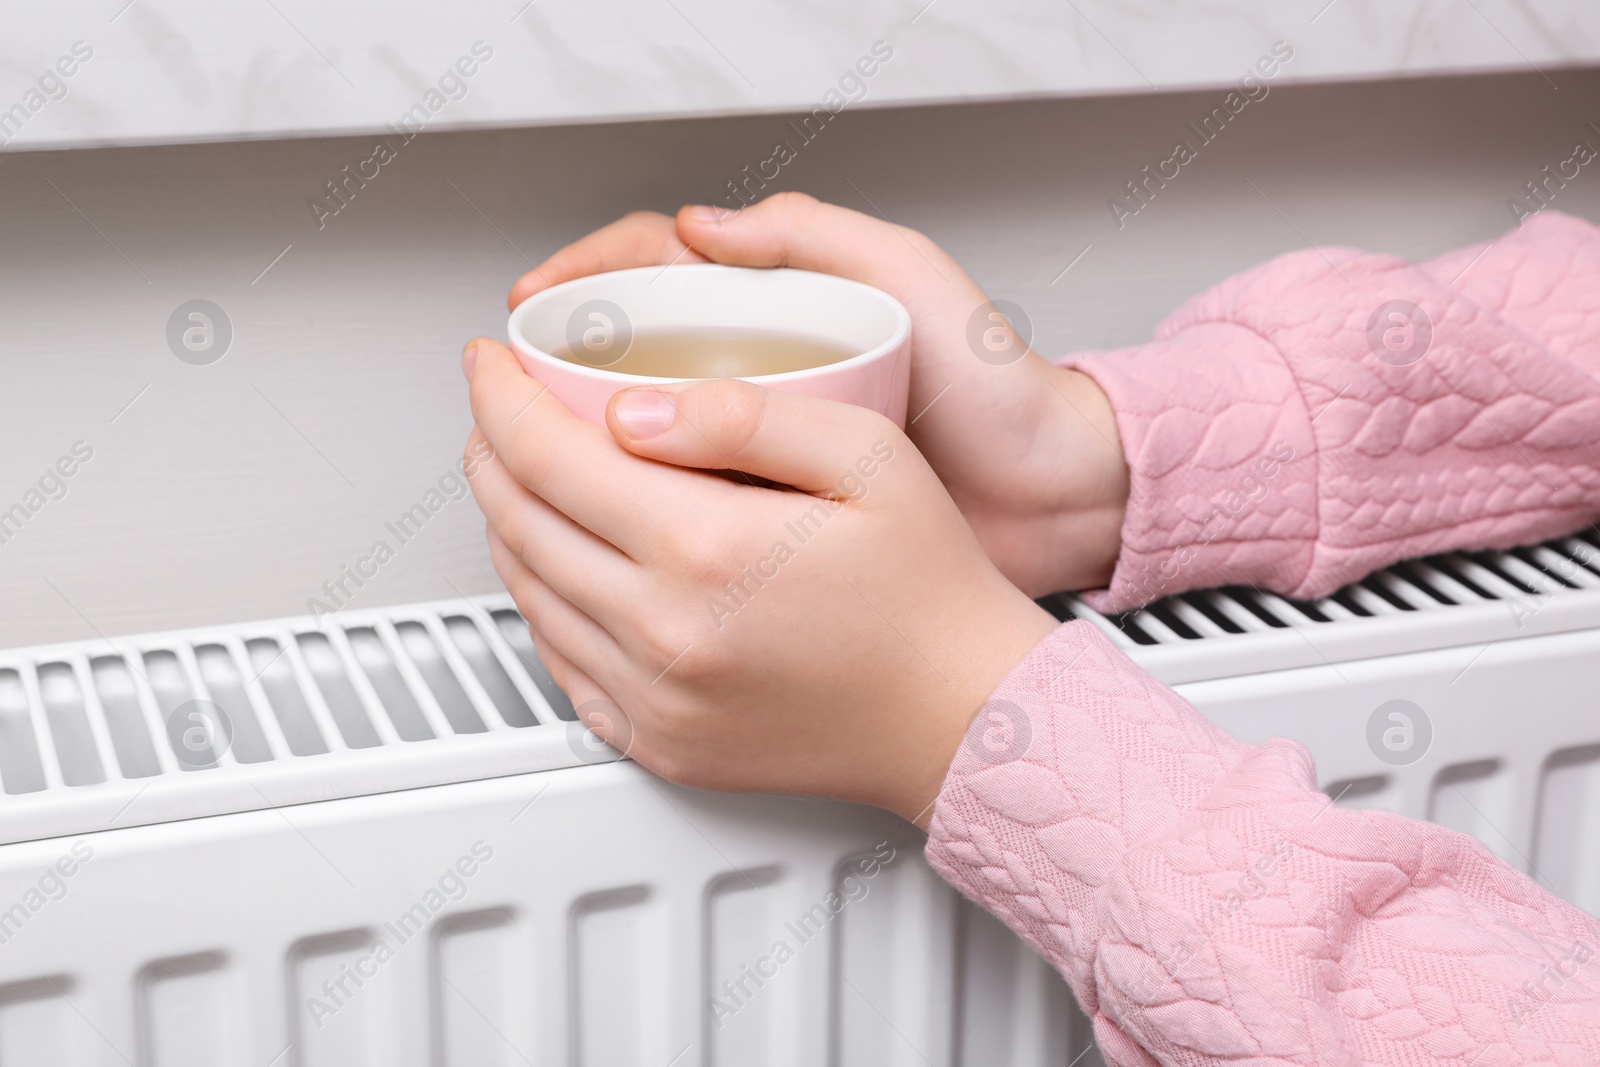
791, 200
925, 245
862, 429
644, 216
668, 642
698, 663
703, 560
690, 551
475, 454
520, 596
551, 660
508, 538
792, 213
513, 536
876, 426
526, 466
734, 409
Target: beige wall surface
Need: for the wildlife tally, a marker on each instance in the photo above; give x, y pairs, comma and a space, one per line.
235, 490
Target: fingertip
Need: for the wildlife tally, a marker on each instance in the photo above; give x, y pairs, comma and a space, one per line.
532, 282
477, 350
490, 363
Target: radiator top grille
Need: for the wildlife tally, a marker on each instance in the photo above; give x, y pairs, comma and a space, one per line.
155, 727
1520, 580
1464, 599
117, 732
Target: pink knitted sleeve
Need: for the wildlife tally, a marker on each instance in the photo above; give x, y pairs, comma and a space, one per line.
1208, 905
1331, 412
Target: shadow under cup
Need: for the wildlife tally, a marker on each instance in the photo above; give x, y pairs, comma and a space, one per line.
599, 315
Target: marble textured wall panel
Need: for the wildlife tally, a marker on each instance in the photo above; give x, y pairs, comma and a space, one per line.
189, 70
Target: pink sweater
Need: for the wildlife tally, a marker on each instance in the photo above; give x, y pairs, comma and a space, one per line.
1204, 900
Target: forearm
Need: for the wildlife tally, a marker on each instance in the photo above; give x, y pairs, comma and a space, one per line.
1273, 438
1207, 903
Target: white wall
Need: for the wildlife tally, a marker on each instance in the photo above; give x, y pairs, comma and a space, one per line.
235, 490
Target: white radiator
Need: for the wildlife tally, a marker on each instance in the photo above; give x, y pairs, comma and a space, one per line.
393, 846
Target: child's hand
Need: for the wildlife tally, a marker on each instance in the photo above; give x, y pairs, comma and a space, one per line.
835, 641
1027, 450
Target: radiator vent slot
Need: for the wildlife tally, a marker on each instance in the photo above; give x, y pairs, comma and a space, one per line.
1527, 577
20, 767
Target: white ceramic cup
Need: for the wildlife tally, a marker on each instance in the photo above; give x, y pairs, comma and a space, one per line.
601, 313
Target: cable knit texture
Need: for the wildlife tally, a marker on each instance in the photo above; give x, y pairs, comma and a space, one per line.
1208, 905
1269, 443
1297, 427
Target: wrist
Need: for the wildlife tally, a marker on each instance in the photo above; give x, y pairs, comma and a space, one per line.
989, 650
1073, 535
1103, 481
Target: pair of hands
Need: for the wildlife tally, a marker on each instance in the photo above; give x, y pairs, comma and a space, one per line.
835, 639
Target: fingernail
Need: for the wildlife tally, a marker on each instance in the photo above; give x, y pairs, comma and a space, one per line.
644, 413
704, 213
469, 359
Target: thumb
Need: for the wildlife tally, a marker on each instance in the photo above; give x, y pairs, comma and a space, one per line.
812, 444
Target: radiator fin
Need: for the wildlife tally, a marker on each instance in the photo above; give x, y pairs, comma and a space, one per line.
38, 1027
224, 681
77, 748
476, 1019
341, 1001
273, 671
896, 966
1013, 1008
753, 988
185, 1013
398, 700
616, 958
1476, 798
1564, 852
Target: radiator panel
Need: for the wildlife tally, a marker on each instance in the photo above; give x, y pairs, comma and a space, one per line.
393, 845
596, 926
